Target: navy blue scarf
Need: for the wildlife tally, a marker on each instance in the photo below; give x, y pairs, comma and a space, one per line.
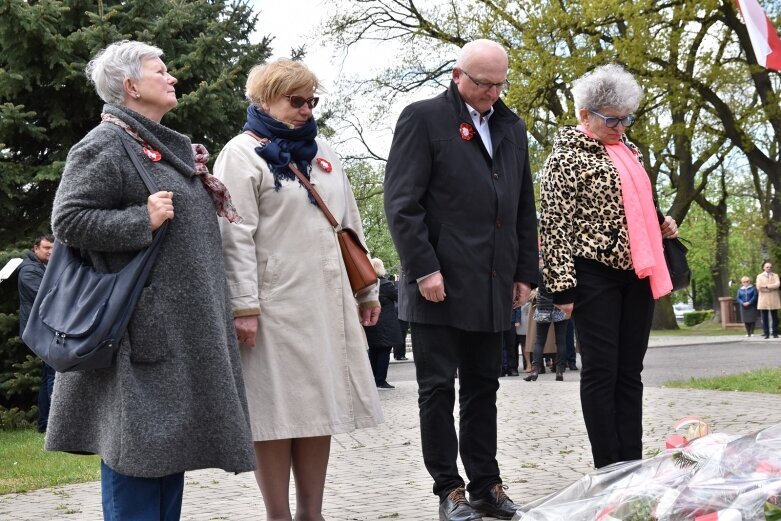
285, 145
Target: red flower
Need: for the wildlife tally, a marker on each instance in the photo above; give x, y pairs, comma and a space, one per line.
324, 165
153, 154
466, 131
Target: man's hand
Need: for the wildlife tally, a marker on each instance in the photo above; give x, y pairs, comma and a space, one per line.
521, 292
433, 288
246, 329
369, 316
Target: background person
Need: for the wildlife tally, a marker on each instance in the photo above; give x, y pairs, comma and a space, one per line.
304, 352
769, 301
460, 206
174, 399
545, 315
386, 333
30, 275
747, 300
602, 247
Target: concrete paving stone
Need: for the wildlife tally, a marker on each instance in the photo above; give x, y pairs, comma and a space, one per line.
378, 473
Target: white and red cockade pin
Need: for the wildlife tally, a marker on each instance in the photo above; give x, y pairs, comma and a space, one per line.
466, 131
153, 154
324, 165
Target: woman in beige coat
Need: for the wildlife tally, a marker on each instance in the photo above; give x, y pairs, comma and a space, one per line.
303, 350
769, 300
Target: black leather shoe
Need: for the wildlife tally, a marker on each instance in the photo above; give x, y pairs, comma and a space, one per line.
572, 367
532, 377
455, 507
494, 503
385, 385
559, 376
512, 372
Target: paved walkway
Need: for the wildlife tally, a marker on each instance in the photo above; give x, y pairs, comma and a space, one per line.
378, 473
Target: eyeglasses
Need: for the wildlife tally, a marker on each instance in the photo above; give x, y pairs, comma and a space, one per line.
298, 101
501, 87
613, 121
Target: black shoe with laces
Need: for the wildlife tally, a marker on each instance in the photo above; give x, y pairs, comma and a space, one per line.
494, 503
455, 507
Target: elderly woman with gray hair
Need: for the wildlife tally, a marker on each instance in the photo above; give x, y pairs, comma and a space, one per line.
604, 263
174, 399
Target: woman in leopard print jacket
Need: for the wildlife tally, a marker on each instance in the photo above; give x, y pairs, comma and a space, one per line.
602, 250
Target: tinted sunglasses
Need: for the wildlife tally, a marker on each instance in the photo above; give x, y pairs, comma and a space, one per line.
298, 101
613, 121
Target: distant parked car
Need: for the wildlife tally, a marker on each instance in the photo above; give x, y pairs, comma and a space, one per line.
680, 308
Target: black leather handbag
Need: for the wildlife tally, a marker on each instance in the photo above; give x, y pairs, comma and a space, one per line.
675, 257
79, 315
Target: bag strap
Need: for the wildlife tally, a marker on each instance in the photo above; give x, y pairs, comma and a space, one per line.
307, 185
142, 171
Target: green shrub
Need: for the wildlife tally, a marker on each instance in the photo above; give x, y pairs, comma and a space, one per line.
692, 318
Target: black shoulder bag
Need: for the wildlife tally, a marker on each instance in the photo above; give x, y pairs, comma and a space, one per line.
79, 314
675, 257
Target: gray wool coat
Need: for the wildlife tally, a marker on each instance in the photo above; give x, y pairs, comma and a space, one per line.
174, 400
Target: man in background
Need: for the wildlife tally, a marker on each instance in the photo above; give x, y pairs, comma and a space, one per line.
30, 275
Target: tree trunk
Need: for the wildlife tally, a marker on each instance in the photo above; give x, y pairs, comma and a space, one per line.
664, 316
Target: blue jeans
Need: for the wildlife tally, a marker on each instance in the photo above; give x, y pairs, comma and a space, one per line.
126, 498
45, 396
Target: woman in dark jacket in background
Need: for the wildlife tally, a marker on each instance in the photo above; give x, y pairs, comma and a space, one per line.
386, 334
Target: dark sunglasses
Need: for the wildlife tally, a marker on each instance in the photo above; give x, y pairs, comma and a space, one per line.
613, 121
298, 101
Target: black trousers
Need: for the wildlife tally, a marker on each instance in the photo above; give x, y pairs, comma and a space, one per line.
379, 359
613, 313
509, 350
438, 352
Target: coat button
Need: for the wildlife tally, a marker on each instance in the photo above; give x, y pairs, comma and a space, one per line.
498, 223
493, 273
496, 175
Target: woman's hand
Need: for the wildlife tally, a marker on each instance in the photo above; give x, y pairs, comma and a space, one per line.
369, 316
160, 206
566, 308
669, 228
246, 329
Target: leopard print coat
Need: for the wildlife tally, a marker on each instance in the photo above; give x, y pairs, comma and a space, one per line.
581, 209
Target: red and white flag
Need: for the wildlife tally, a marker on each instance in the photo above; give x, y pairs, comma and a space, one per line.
764, 38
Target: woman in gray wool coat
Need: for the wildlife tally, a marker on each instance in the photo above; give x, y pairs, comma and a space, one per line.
174, 399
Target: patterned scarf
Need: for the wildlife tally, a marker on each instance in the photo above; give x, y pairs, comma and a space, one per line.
284, 145
218, 192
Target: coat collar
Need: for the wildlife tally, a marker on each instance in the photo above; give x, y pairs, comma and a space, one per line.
501, 120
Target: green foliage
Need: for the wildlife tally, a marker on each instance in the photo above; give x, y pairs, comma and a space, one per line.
47, 105
692, 318
759, 381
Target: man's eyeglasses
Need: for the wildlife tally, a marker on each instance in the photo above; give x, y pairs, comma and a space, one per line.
485, 85
613, 121
298, 101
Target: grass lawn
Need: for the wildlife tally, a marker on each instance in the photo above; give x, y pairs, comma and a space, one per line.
759, 381
707, 328
24, 465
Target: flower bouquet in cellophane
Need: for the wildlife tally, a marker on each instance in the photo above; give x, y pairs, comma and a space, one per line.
698, 477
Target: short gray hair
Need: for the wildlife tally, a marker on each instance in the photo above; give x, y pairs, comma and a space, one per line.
112, 65
475, 47
607, 86
379, 267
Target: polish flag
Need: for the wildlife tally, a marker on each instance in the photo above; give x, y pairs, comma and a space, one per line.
764, 39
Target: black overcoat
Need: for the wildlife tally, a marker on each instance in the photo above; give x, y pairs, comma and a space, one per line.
453, 207
386, 333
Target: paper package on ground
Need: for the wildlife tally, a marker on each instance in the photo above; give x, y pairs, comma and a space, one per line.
717, 477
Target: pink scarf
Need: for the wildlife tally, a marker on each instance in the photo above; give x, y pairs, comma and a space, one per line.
645, 237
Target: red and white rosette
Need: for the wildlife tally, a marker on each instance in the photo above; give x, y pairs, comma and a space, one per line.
324, 165
466, 131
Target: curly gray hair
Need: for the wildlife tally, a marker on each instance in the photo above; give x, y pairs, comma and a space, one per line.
607, 86
112, 65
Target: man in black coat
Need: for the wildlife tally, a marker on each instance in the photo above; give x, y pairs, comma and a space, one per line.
30, 276
460, 206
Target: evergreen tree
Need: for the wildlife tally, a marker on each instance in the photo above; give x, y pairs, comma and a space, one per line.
47, 105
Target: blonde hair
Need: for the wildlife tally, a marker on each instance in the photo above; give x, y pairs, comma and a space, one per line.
379, 267
268, 81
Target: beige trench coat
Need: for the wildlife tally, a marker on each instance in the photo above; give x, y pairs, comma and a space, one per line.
767, 286
308, 373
